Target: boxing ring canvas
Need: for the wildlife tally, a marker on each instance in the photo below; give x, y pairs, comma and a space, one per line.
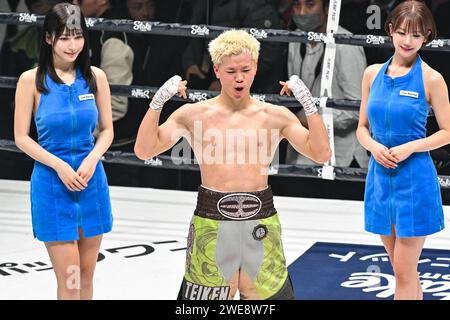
363, 272
143, 257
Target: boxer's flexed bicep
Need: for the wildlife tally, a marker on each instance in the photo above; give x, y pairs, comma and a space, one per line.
173, 129
295, 133
152, 138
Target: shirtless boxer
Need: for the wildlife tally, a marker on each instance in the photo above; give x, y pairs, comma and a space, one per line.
234, 240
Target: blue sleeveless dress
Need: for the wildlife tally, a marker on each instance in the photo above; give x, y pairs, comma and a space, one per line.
408, 196
65, 120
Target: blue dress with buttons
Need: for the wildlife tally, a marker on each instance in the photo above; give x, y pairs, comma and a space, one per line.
407, 197
65, 120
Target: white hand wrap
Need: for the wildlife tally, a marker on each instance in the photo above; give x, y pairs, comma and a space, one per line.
167, 91
302, 94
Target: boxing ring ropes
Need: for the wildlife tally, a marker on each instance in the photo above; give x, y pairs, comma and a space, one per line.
329, 171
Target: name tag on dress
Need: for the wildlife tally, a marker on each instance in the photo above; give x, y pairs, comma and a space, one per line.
411, 94
88, 96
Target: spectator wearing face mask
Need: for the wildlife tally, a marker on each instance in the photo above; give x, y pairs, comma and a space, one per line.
306, 60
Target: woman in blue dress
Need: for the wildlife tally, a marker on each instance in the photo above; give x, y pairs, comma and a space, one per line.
70, 202
402, 200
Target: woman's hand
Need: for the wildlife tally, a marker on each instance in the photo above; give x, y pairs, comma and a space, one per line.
401, 152
72, 180
383, 156
87, 167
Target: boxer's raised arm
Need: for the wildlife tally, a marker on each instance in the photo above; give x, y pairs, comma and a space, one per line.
153, 139
312, 142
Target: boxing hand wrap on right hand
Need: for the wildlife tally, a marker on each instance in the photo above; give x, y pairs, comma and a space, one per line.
167, 91
302, 94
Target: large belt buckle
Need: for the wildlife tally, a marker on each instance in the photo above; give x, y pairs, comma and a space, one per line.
239, 206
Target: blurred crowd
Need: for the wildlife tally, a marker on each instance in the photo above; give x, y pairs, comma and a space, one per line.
148, 60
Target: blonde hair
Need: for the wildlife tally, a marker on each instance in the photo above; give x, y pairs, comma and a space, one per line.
233, 42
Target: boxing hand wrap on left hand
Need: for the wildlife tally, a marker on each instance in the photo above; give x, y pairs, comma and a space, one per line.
167, 91
302, 94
